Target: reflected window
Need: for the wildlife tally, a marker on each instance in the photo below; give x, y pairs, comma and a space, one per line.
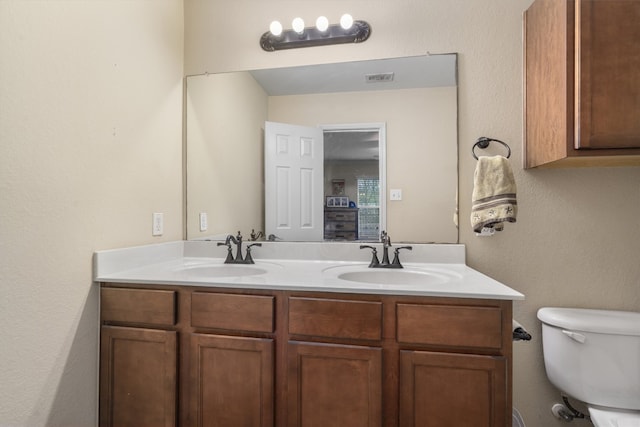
368, 208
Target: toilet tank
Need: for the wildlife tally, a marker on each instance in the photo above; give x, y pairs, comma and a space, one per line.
593, 355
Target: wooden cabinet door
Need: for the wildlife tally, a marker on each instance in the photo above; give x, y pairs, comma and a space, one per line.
137, 377
582, 98
453, 390
232, 381
608, 74
334, 385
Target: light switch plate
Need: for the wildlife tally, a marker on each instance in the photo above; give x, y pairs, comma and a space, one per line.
204, 222
395, 194
158, 224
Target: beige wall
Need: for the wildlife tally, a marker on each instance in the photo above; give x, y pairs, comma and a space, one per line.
577, 238
225, 129
90, 147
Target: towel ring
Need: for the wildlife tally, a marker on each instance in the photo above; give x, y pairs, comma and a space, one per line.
483, 142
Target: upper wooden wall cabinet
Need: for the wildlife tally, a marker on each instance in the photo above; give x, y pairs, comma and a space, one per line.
582, 83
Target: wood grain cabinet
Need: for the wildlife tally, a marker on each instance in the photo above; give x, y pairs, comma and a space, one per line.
449, 389
454, 368
189, 356
185, 357
139, 375
138, 362
334, 385
582, 97
231, 375
232, 381
335, 377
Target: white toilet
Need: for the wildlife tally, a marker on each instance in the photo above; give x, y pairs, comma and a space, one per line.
594, 356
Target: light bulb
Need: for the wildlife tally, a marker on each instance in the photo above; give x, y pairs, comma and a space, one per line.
298, 25
346, 21
322, 23
275, 28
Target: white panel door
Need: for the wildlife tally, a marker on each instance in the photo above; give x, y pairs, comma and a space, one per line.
294, 173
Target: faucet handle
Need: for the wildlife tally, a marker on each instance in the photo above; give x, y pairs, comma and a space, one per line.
226, 243
248, 259
229, 258
396, 255
374, 256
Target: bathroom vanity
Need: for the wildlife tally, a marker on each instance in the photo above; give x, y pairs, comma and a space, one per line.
292, 342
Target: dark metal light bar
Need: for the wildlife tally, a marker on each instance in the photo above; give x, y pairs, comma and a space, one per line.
335, 34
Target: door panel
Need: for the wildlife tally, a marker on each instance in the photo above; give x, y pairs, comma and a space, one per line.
137, 377
294, 165
232, 381
452, 390
334, 385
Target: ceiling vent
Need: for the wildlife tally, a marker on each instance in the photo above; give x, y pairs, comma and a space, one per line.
378, 78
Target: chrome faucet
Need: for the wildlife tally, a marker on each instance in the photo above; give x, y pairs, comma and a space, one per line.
238, 259
386, 244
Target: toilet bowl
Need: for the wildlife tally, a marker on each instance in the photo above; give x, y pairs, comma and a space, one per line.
594, 356
601, 417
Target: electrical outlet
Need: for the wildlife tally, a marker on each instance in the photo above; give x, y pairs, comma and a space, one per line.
204, 222
395, 194
158, 224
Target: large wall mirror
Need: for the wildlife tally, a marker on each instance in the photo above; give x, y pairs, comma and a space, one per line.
388, 132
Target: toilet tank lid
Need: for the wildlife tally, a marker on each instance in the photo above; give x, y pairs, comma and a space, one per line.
591, 320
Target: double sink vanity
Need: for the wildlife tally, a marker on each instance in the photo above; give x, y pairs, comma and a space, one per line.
307, 335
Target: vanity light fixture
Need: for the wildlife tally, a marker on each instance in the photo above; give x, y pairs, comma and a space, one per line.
298, 26
322, 24
347, 31
275, 28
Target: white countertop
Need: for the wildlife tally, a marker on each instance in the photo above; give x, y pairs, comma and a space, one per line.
301, 267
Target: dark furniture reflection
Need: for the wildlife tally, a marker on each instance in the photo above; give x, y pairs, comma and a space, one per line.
340, 223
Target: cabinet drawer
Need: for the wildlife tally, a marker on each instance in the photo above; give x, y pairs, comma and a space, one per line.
450, 325
332, 318
339, 235
340, 216
339, 226
149, 306
252, 313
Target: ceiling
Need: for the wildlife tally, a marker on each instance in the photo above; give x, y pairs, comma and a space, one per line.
408, 72
349, 145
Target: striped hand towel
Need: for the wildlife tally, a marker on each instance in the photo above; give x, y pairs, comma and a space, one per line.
494, 194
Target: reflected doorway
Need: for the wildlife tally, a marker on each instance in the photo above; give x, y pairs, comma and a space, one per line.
354, 181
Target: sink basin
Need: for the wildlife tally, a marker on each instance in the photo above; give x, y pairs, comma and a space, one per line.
224, 270
211, 270
409, 276
395, 277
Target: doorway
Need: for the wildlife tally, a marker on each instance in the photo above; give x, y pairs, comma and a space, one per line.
355, 169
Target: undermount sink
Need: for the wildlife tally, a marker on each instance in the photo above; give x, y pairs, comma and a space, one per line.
225, 270
391, 276
394, 277
209, 270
